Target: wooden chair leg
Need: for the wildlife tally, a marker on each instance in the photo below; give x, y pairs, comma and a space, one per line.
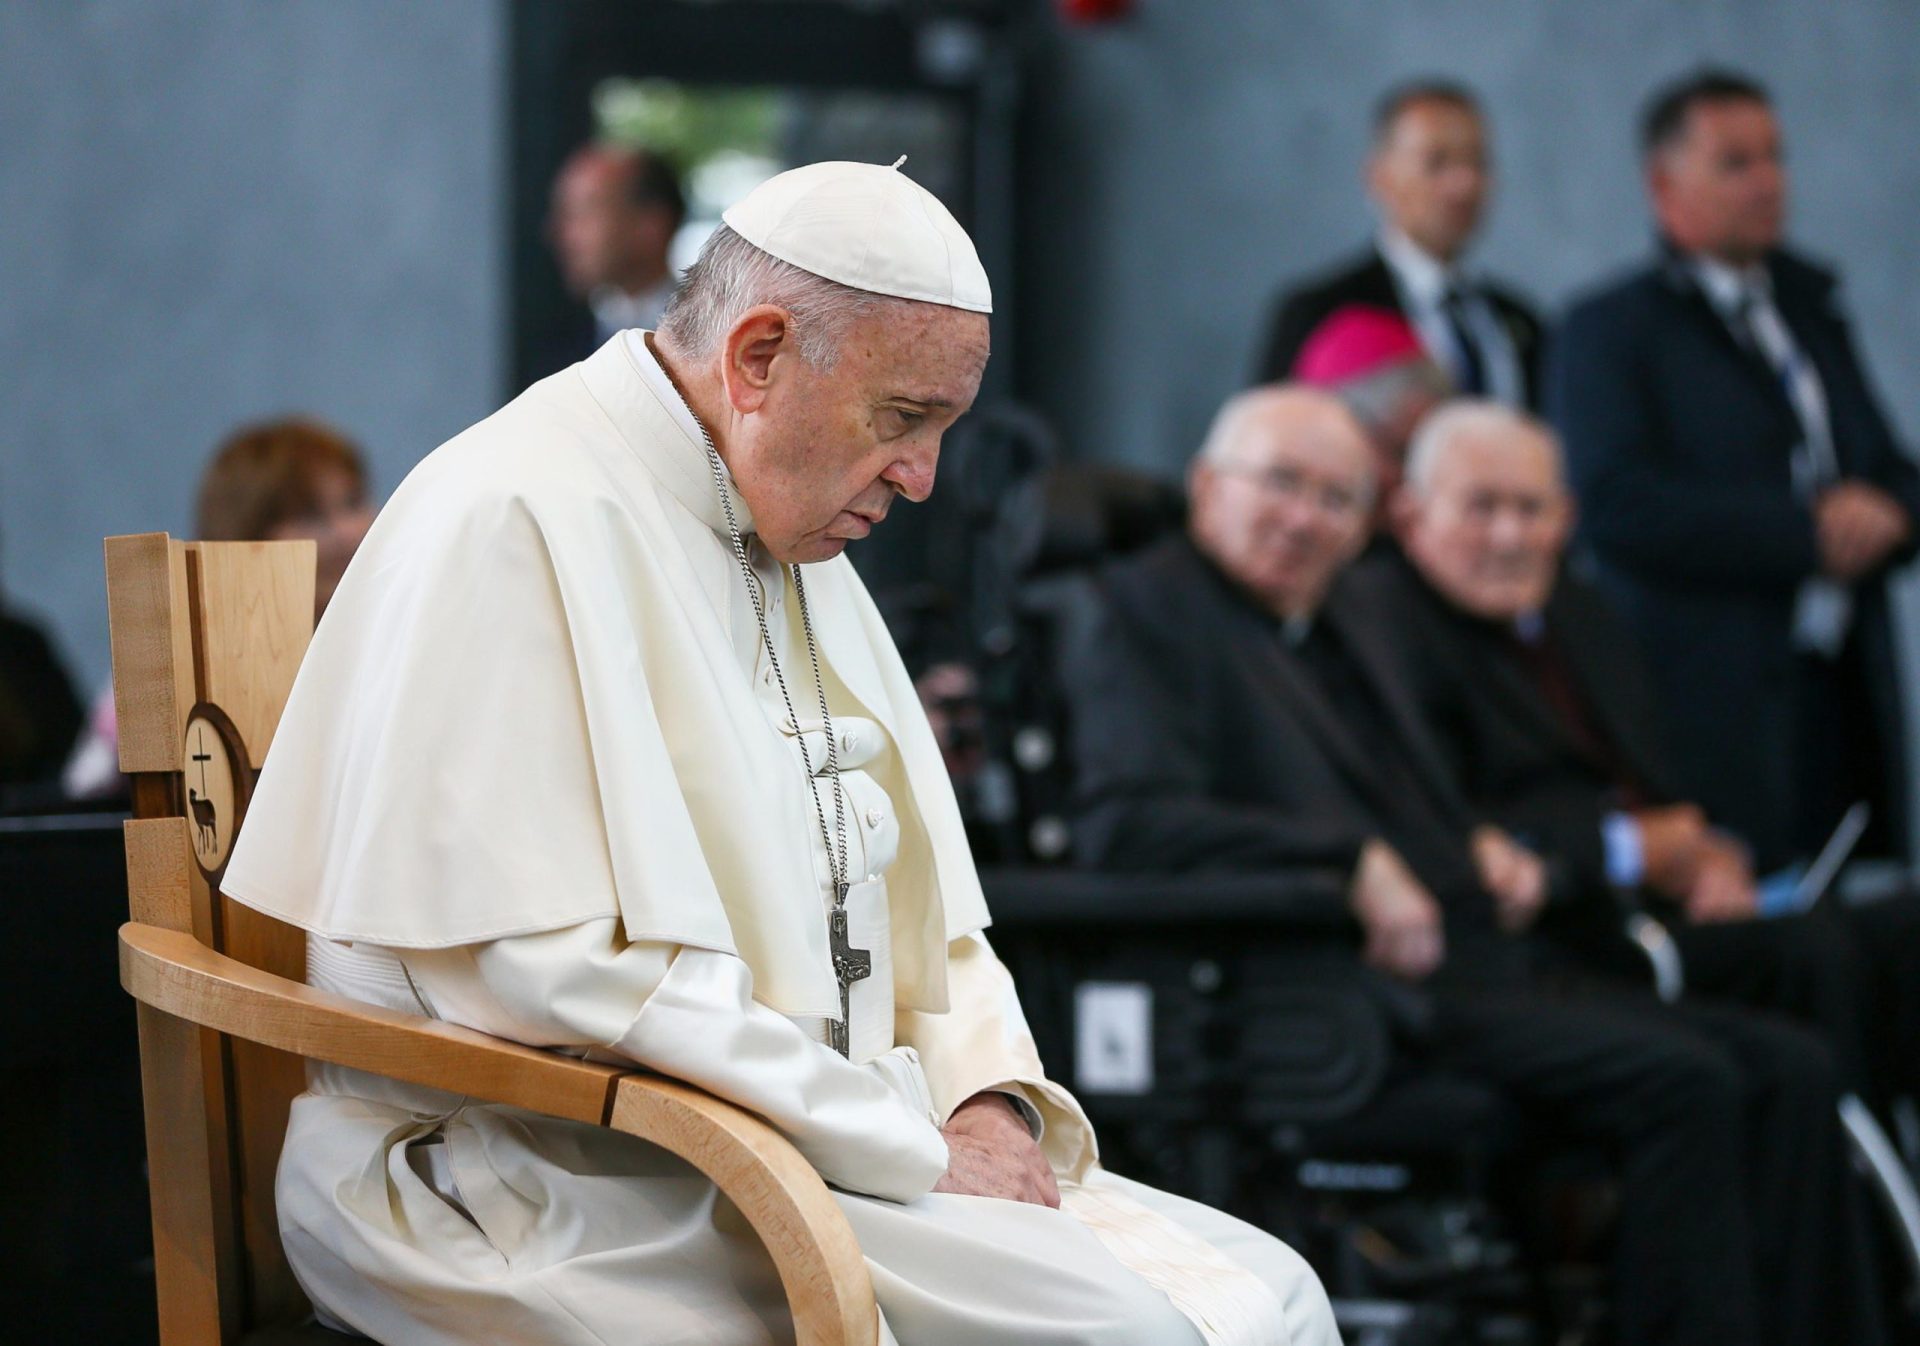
188, 1175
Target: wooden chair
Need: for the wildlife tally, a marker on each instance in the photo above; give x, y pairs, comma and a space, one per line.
206, 640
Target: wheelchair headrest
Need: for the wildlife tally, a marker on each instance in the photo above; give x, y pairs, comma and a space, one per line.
1095, 511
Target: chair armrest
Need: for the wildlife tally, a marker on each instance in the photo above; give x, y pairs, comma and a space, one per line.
175, 973
812, 1246
821, 1267
1655, 942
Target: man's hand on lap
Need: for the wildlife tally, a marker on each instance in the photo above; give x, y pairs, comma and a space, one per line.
1401, 918
991, 1153
1723, 889
1514, 876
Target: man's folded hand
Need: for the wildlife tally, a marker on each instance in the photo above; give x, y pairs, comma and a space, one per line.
1401, 918
992, 1153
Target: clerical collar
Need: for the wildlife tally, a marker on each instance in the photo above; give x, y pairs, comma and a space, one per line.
681, 462
1424, 277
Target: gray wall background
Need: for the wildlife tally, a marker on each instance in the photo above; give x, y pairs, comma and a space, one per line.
1190, 158
219, 209
226, 209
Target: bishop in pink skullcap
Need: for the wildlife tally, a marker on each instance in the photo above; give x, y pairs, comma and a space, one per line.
1353, 342
1372, 359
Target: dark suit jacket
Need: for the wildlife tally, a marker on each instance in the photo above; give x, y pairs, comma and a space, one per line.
1680, 443
1367, 280
1512, 750
1201, 742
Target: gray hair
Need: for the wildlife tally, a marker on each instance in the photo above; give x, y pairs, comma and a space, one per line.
1470, 418
1375, 397
731, 276
1246, 410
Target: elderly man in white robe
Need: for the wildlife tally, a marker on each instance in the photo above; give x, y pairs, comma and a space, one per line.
602, 747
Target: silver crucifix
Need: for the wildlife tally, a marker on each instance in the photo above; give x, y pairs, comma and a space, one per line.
849, 966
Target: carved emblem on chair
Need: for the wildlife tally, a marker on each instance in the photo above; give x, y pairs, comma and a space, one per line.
214, 787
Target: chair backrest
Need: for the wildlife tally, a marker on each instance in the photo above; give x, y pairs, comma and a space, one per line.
207, 638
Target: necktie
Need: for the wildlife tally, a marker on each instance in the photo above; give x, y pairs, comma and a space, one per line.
1758, 324
1823, 610
1472, 380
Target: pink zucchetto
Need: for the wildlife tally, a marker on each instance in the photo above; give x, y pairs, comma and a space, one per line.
1353, 342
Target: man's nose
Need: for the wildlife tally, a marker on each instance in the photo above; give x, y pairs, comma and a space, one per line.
912, 473
1508, 530
1297, 514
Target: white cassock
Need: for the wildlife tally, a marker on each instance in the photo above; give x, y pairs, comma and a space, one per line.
536, 777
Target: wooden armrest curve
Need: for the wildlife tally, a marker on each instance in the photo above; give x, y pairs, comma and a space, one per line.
173, 972
813, 1248
784, 1199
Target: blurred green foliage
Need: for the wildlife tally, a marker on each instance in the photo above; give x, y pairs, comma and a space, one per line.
688, 124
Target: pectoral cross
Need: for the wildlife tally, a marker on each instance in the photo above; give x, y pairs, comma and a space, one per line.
849, 966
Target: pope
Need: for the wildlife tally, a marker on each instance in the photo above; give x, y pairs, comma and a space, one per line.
602, 747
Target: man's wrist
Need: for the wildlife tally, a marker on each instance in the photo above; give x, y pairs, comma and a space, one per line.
991, 1108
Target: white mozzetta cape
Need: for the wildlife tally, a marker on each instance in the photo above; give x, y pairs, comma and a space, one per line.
522, 711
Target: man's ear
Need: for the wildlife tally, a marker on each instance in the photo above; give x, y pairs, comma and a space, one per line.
1657, 175
1569, 520
1356, 545
1372, 175
757, 348
1200, 480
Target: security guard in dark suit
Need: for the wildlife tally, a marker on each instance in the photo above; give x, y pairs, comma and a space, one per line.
1741, 491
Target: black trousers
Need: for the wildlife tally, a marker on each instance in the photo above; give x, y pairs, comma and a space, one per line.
1886, 940
1739, 1221
1852, 972
1839, 754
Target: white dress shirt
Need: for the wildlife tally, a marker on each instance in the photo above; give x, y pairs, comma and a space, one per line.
1423, 283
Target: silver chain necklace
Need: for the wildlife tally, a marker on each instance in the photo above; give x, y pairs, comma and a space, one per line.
849, 964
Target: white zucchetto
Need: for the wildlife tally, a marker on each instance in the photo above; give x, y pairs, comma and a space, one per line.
866, 226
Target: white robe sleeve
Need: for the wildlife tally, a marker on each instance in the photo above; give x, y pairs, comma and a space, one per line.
690, 1014
983, 1043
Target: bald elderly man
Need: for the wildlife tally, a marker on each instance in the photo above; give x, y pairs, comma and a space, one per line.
1544, 702
1240, 710
603, 748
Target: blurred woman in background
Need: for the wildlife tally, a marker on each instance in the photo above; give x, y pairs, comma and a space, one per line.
268, 482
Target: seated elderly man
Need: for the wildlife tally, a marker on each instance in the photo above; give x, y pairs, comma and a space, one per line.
1544, 704
602, 747
1241, 711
